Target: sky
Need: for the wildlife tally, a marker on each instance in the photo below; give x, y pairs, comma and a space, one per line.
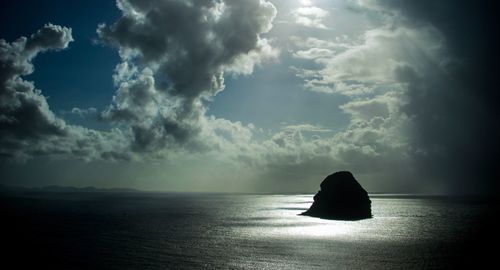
250, 96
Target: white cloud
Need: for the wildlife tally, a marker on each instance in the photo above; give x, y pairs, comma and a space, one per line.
378, 106
306, 127
310, 16
358, 69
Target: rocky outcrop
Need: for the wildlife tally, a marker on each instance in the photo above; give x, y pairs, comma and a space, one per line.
341, 197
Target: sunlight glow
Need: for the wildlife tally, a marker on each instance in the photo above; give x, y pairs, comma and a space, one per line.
305, 2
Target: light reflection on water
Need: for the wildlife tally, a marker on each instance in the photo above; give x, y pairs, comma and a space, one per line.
394, 219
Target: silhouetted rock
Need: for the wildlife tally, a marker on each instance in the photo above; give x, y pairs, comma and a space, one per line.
341, 197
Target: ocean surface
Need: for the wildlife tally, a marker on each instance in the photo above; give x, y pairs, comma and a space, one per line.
141, 230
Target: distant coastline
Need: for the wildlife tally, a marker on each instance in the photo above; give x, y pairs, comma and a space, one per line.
56, 188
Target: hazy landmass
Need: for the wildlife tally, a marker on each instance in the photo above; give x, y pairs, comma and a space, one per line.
56, 188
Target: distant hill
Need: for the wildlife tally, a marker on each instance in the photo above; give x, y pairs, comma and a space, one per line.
55, 188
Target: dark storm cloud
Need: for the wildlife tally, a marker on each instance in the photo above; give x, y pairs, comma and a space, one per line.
175, 54
455, 105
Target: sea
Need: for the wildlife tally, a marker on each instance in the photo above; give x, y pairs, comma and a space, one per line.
150, 230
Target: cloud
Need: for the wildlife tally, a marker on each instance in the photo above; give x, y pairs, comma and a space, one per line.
175, 54
375, 149
81, 112
377, 106
28, 126
354, 69
25, 116
310, 16
306, 127
335, 46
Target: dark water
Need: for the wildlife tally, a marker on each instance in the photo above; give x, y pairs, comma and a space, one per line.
215, 231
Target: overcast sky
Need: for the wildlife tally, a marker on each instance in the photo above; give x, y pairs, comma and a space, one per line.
250, 96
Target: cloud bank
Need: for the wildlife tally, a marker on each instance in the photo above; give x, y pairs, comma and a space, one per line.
174, 56
420, 88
